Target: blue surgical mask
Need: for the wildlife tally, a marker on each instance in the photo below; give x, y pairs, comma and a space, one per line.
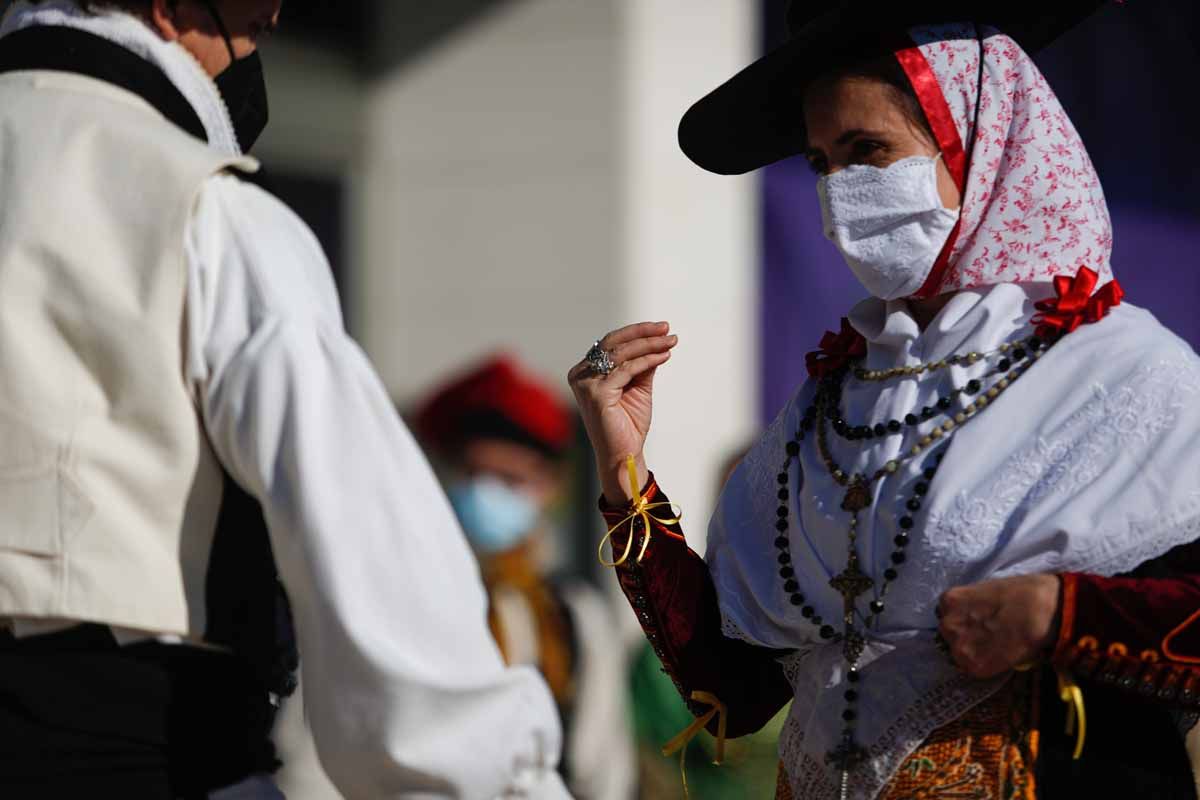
494, 517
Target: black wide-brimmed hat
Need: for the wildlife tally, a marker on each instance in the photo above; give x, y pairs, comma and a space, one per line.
755, 118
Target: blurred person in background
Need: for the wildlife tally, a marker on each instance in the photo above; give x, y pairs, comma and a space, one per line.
979, 517
167, 328
501, 439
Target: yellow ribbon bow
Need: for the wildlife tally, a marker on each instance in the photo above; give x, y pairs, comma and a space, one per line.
641, 509
680, 742
1070, 693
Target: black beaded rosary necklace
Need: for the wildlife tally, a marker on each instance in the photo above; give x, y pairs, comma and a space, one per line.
1011, 354
852, 582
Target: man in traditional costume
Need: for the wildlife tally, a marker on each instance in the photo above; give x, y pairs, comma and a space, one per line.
162, 321
502, 437
967, 546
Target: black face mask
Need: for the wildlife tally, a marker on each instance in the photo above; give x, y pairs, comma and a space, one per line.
244, 89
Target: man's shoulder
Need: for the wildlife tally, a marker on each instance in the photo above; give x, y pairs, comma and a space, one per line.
67, 108
249, 206
276, 255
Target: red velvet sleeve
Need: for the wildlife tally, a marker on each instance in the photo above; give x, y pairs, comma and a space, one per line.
675, 601
1139, 632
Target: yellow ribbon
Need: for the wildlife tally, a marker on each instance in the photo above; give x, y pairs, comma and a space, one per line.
1070, 693
641, 509
680, 742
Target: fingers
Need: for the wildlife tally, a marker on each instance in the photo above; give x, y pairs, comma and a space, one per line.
956, 628
640, 347
976, 663
964, 650
979, 637
640, 330
952, 606
628, 350
630, 370
578, 372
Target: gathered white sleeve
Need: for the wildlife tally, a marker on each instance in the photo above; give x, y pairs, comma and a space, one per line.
405, 690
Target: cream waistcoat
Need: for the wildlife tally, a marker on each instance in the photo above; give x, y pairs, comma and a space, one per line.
108, 488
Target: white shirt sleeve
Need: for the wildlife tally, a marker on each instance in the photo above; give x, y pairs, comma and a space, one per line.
405, 690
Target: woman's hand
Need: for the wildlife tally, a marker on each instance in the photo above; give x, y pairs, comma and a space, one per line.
994, 626
616, 408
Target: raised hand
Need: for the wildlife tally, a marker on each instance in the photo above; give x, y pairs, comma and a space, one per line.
996, 625
616, 408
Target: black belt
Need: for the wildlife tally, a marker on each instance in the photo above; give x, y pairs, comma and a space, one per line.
85, 637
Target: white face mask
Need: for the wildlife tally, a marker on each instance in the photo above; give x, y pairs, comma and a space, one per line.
888, 223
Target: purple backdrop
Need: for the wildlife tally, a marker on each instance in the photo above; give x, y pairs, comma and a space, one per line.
1127, 78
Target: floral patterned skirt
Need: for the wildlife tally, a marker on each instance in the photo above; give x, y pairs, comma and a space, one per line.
989, 753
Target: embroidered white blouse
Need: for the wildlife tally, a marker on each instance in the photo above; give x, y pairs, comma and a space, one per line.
1087, 463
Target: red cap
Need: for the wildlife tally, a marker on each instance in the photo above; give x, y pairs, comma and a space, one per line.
496, 399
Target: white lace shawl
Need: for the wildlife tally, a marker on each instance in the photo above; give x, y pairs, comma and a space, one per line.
1089, 463
118, 27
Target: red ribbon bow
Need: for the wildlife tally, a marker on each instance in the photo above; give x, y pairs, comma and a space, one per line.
1075, 304
837, 350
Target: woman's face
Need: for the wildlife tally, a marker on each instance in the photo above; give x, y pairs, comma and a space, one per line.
861, 120
521, 468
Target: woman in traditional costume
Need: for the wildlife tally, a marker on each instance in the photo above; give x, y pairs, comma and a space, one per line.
971, 531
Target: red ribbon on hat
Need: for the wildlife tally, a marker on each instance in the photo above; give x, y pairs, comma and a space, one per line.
1076, 304
837, 350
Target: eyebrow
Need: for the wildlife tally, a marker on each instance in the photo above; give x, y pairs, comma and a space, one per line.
854, 133
845, 137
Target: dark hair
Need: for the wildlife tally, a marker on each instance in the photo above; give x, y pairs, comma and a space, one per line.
491, 424
885, 69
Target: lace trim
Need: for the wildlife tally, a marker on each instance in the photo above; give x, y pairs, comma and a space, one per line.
793, 663
809, 777
1122, 422
732, 630
760, 468
1114, 430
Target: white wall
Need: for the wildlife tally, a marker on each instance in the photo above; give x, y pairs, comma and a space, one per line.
689, 244
523, 188
492, 199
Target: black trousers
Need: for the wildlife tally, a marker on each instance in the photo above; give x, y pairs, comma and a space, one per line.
82, 717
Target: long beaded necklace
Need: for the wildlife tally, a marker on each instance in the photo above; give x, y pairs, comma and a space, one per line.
852, 582
1010, 354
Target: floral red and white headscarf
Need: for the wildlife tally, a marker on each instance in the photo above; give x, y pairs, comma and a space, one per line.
1032, 203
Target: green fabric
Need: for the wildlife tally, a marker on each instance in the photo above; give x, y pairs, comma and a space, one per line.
751, 762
